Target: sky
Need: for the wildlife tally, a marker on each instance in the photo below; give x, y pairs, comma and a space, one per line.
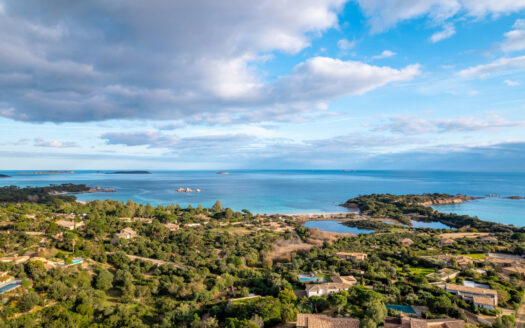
271, 84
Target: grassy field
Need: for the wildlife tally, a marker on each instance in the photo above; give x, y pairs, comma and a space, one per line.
421, 271
476, 256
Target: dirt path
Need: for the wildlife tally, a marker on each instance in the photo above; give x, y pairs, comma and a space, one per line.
520, 318
154, 261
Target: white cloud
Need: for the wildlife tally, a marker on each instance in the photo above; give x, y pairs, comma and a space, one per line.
447, 32
385, 14
511, 83
385, 54
499, 65
325, 78
344, 44
54, 143
515, 39
519, 24
151, 139
410, 125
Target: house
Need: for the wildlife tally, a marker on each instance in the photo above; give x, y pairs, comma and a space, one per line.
324, 321
126, 233
515, 269
338, 283
490, 239
407, 322
447, 242
406, 242
14, 259
358, 257
348, 280
326, 288
172, 226
70, 225
443, 274
480, 297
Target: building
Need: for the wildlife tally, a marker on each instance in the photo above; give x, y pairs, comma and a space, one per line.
337, 285
443, 274
358, 257
348, 280
126, 233
515, 269
70, 225
480, 297
490, 239
172, 226
447, 242
407, 322
406, 242
323, 321
14, 259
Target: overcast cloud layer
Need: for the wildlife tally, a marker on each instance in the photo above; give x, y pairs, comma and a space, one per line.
97, 60
310, 83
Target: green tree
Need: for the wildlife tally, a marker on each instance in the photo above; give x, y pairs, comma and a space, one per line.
28, 301
104, 280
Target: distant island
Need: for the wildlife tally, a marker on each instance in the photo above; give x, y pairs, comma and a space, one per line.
515, 197
131, 172
4, 176
223, 172
54, 172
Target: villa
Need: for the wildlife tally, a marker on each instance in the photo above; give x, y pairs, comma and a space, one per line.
407, 322
337, 285
126, 233
324, 321
443, 274
447, 242
515, 269
358, 257
406, 242
480, 297
172, 226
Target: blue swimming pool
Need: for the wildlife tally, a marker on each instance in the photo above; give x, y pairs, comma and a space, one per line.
310, 279
10, 286
401, 308
77, 261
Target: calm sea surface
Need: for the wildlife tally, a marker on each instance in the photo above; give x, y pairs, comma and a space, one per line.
290, 191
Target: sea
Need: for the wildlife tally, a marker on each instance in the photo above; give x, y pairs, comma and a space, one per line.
297, 191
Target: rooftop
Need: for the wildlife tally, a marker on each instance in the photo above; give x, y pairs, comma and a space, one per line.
323, 321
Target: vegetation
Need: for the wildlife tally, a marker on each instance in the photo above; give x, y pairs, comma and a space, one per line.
186, 277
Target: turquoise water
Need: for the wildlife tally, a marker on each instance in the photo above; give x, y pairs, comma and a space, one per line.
401, 308
297, 191
335, 226
434, 225
10, 286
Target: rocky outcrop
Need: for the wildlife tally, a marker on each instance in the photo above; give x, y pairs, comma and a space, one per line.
515, 197
4, 176
446, 201
181, 189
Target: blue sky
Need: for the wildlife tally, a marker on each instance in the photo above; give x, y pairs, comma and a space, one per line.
407, 84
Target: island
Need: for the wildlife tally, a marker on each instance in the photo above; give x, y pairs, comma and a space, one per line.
515, 197
130, 172
223, 172
4, 176
54, 172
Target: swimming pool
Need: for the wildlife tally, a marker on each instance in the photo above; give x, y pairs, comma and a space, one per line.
401, 308
77, 261
310, 279
10, 286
